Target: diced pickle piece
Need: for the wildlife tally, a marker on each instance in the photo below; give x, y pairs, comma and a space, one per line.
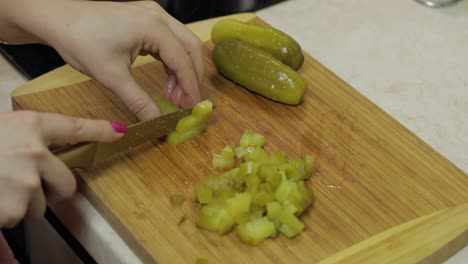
252, 180
203, 111
165, 105
250, 138
247, 168
220, 161
187, 123
266, 171
291, 225
255, 231
240, 151
259, 155
203, 193
228, 152
175, 138
266, 187
278, 158
262, 198
274, 210
239, 204
283, 191
215, 218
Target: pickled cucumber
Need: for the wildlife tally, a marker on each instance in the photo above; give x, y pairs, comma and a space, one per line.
261, 198
277, 43
259, 72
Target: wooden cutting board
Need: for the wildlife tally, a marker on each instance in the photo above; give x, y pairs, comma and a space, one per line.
372, 174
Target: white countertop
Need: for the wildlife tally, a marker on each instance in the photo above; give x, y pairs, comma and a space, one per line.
409, 59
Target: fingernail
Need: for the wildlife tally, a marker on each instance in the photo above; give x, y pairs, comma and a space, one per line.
119, 127
170, 84
179, 95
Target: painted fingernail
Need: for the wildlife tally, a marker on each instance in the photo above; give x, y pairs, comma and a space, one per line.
119, 127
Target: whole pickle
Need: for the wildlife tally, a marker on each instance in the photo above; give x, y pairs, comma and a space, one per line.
258, 71
277, 43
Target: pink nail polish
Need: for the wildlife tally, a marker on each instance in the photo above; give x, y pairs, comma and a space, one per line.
119, 127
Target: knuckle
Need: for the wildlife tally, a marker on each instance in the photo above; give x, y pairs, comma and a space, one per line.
78, 128
30, 118
33, 149
31, 182
138, 106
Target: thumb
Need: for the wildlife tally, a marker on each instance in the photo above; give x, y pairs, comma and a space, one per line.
124, 85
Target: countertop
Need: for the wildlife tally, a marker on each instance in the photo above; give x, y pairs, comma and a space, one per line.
409, 59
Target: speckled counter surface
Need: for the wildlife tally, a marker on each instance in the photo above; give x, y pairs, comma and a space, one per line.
409, 59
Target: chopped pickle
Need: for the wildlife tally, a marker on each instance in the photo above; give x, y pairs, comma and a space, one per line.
192, 125
239, 204
220, 161
278, 158
250, 138
283, 191
259, 155
215, 218
247, 168
175, 138
291, 224
203, 193
165, 105
177, 199
274, 210
255, 231
187, 123
261, 198
266, 187
266, 171
252, 180
240, 151
228, 152
203, 110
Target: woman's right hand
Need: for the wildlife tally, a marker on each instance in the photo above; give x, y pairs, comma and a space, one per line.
27, 167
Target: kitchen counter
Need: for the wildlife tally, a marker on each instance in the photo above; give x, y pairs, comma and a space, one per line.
407, 58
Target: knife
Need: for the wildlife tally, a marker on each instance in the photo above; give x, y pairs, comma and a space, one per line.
88, 155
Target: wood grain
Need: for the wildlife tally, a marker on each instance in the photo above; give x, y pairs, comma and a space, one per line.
411, 242
372, 173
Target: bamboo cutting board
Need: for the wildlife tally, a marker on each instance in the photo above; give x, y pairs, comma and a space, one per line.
372, 175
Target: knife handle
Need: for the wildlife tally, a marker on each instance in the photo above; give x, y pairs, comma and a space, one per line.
81, 156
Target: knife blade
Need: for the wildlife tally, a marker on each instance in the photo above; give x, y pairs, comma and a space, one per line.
89, 155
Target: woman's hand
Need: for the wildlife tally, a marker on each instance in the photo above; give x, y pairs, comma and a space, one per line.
27, 167
102, 40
